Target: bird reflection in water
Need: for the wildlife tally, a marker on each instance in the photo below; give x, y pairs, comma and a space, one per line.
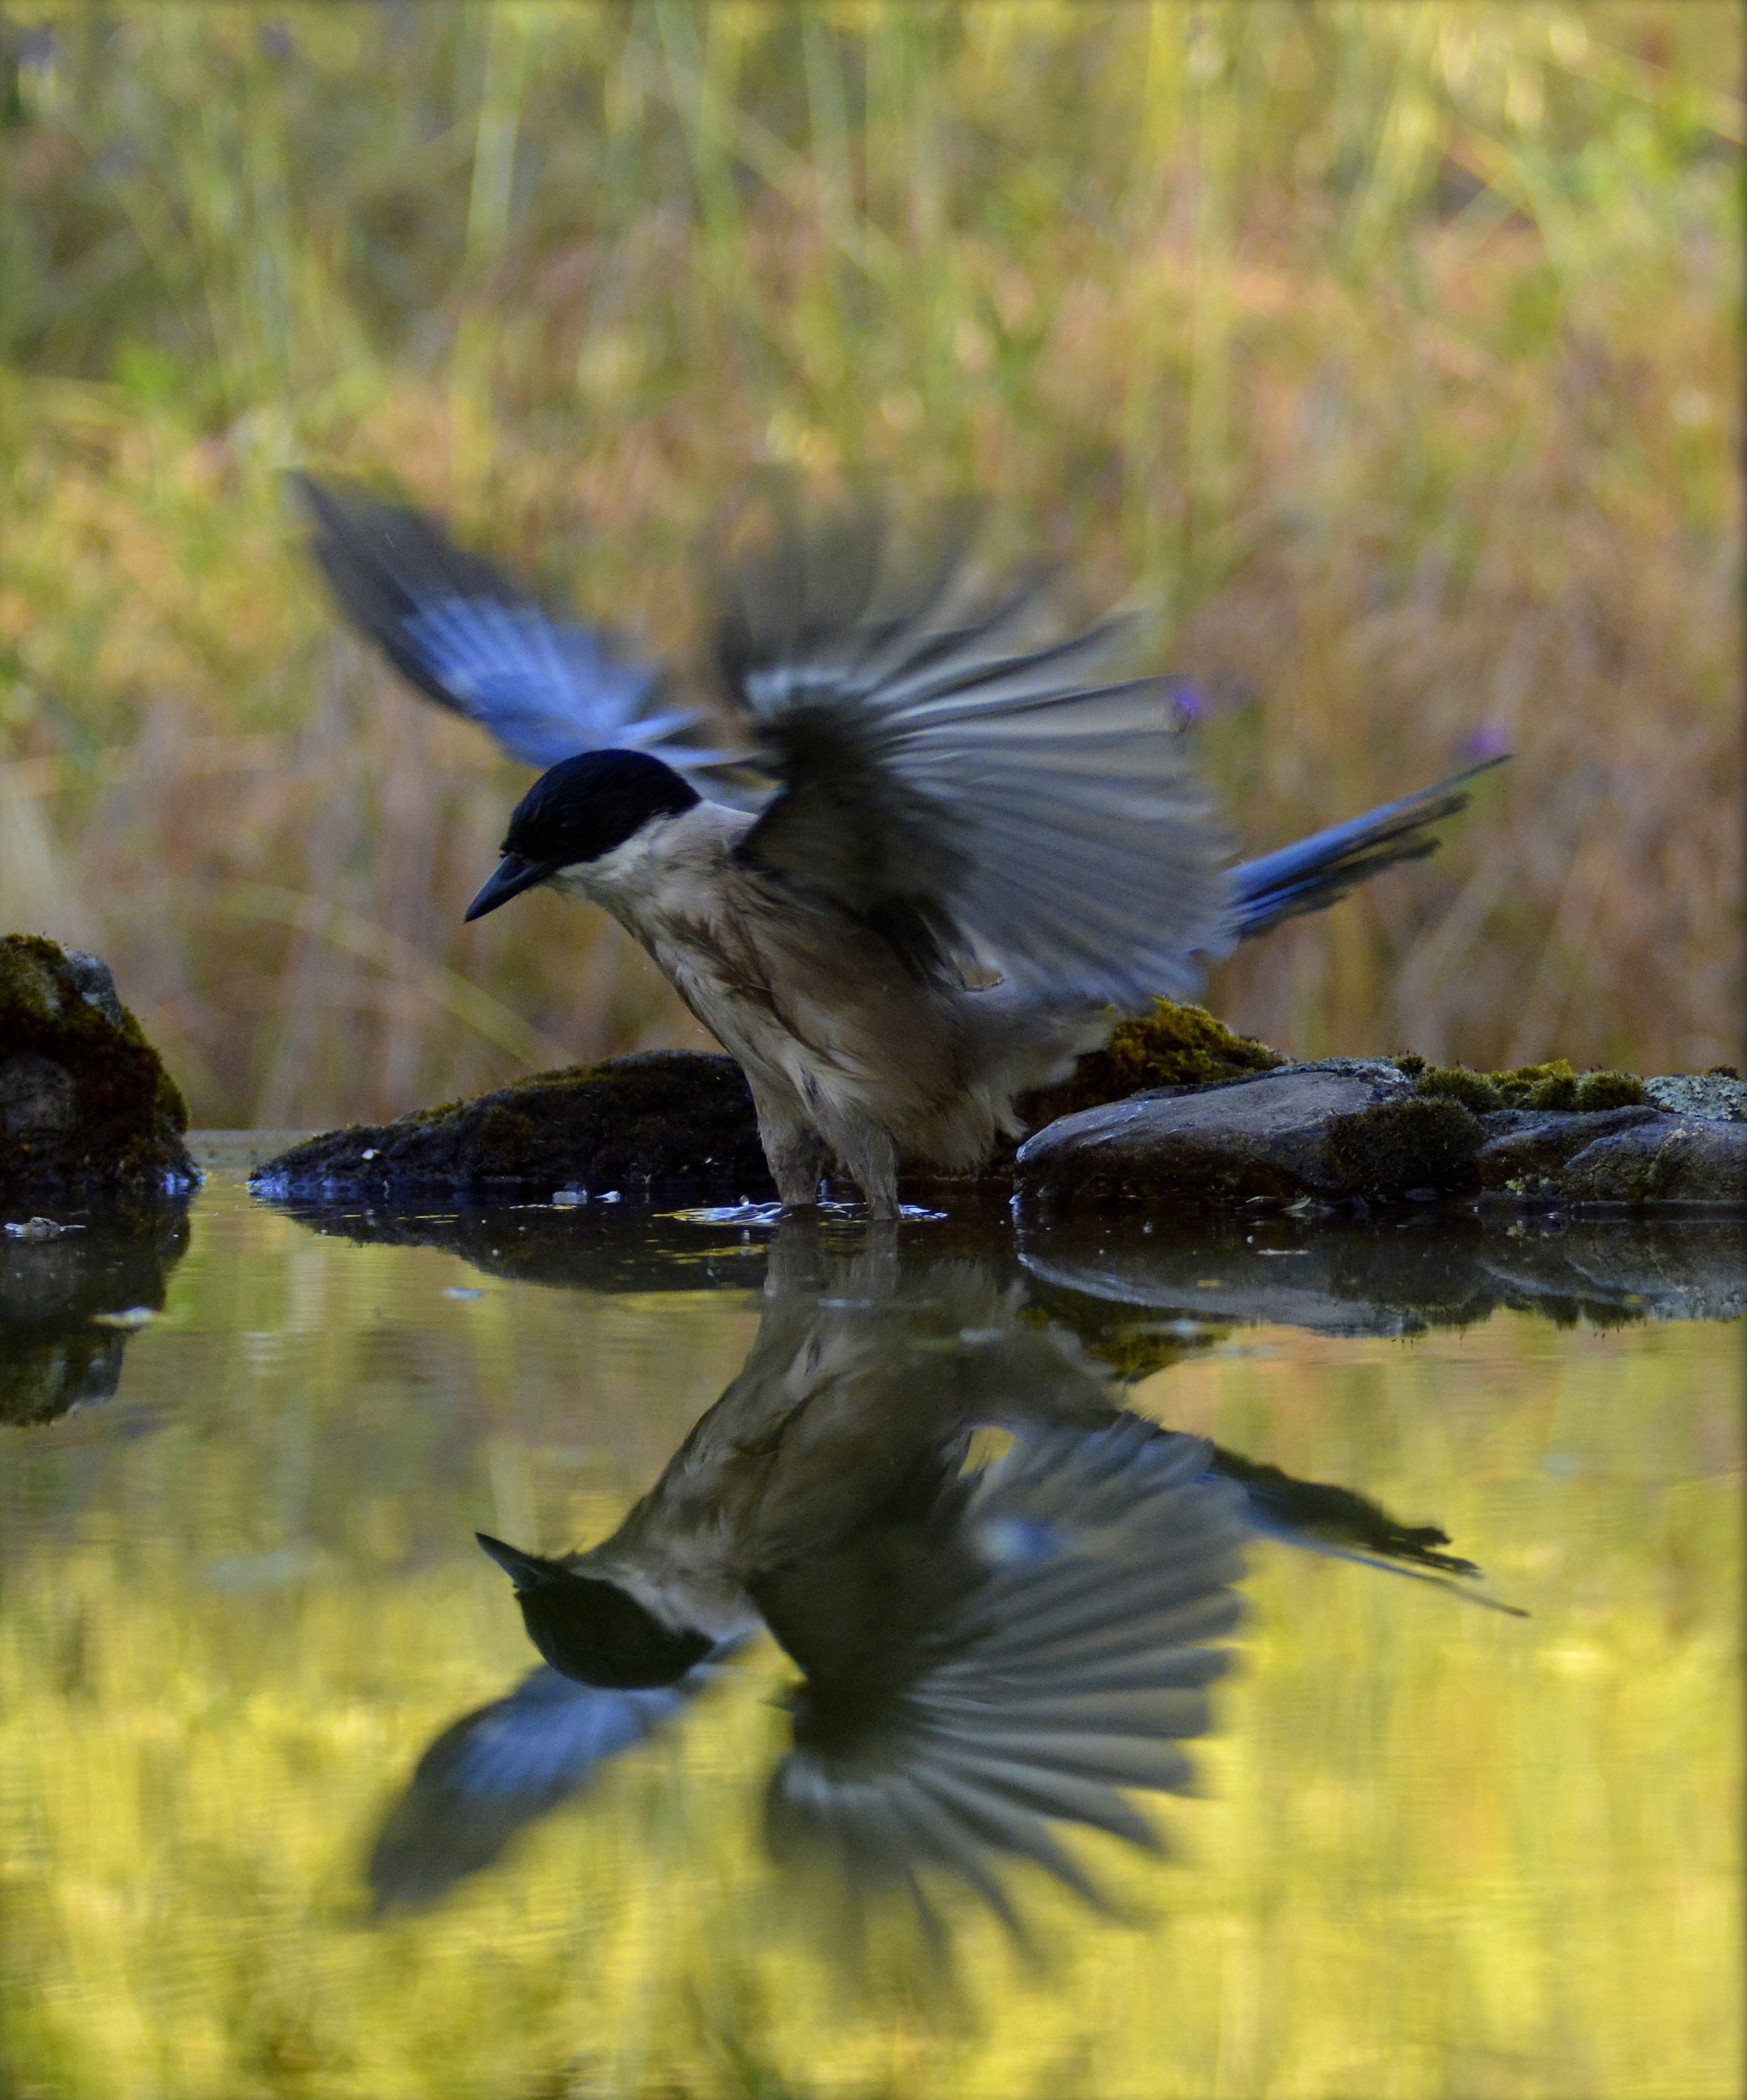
990, 1653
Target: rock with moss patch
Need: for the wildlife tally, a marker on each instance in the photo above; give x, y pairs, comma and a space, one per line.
86, 1108
667, 1117
1395, 1130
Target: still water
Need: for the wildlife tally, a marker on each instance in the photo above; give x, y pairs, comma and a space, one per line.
291, 1805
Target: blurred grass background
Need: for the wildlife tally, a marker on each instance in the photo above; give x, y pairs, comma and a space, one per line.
1391, 351
1442, 1854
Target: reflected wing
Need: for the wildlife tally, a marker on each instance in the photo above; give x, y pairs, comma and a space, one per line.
978, 797
1320, 870
1067, 1670
455, 628
497, 1770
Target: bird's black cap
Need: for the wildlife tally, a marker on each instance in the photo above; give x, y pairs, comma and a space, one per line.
591, 1631
578, 810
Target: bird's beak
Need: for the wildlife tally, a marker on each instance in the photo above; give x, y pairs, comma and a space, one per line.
522, 1568
513, 875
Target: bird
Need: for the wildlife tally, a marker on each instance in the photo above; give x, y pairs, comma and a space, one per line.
975, 847
988, 1654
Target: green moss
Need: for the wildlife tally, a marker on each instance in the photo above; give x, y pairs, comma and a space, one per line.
1173, 1046
1611, 1090
127, 1115
1474, 1090
1550, 1086
1418, 1142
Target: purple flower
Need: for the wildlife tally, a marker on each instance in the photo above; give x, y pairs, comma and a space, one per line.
1189, 701
276, 41
1486, 741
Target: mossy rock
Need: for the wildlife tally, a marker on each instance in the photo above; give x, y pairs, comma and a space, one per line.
666, 1117
1423, 1144
86, 1108
1174, 1045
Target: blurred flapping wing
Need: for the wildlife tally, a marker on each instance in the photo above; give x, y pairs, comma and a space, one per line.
1068, 1668
978, 797
496, 1770
466, 637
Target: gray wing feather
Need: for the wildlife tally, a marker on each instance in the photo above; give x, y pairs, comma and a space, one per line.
980, 797
1071, 1671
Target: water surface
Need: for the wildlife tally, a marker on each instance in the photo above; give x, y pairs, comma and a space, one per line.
1436, 1849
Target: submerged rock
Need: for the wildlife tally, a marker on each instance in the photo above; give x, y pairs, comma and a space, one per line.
70, 1299
86, 1107
667, 1117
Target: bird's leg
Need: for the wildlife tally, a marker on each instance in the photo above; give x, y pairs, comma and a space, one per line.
869, 1158
794, 1152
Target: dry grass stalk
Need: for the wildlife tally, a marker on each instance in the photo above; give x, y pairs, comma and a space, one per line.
1392, 348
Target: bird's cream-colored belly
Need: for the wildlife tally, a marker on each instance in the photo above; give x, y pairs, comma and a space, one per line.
830, 1029
828, 1044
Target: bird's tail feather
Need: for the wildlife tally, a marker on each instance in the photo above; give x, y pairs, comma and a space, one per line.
1317, 870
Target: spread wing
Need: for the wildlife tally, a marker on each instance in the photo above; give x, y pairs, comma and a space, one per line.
980, 797
497, 1769
458, 630
1063, 1664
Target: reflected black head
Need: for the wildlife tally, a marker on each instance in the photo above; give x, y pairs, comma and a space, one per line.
584, 807
578, 811
593, 1631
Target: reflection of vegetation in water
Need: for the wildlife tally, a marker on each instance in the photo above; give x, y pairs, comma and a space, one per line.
1441, 1850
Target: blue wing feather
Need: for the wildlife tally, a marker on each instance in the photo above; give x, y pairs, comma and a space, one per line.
469, 639
493, 1773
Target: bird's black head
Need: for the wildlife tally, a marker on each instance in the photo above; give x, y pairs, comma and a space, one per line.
591, 1631
576, 812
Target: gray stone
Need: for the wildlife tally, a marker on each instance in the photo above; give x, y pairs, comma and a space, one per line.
1527, 1150
1718, 1096
1669, 1160
1264, 1137
1344, 1130
96, 983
